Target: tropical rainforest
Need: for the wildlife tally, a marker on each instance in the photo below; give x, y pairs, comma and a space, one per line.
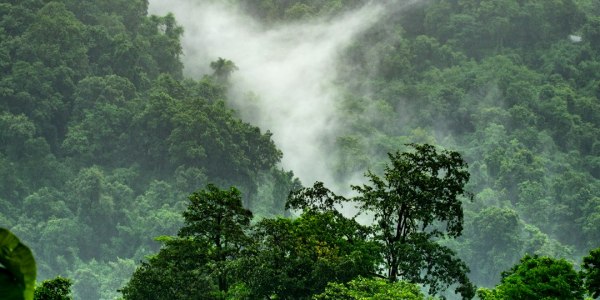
476, 124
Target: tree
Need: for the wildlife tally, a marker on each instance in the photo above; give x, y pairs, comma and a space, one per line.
371, 289
294, 259
178, 271
420, 192
541, 278
591, 272
58, 288
223, 68
216, 217
196, 264
496, 243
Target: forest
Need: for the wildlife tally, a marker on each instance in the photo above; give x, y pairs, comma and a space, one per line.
464, 161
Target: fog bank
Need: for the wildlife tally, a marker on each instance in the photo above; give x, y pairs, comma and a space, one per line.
287, 69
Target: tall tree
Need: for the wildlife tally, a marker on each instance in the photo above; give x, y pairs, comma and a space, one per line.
218, 218
419, 193
195, 265
223, 68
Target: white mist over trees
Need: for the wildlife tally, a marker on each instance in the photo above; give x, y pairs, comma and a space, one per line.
285, 76
110, 116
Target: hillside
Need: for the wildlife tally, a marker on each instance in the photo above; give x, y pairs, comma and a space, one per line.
110, 117
102, 138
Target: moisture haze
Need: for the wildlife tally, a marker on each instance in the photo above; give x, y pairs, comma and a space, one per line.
285, 76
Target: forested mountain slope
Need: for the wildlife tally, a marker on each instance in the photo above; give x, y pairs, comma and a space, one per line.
101, 138
513, 85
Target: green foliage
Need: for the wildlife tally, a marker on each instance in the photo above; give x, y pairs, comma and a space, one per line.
294, 259
197, 262
217, 218
271, 11
591, 272
538, 278
488, 294
222, 69
58, 288
215, 257
368, 289
179, 271
17, 268
100, 137
418, 196
495, 236
505, 83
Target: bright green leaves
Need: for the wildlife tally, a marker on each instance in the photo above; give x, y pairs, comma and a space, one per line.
17, 268
538, 278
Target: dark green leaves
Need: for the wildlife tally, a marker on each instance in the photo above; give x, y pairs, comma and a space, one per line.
420, 191
371, 289
317, 198
58, 288
197, 263
215, 215
591, 272
295, 259
421, 188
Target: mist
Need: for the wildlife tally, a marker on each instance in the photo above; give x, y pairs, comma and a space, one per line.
284, 81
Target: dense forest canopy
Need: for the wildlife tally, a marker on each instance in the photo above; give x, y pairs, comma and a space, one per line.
103, 137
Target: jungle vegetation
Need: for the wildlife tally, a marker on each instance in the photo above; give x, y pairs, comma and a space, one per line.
103, 140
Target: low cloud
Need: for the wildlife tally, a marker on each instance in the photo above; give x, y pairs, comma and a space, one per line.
285, 76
